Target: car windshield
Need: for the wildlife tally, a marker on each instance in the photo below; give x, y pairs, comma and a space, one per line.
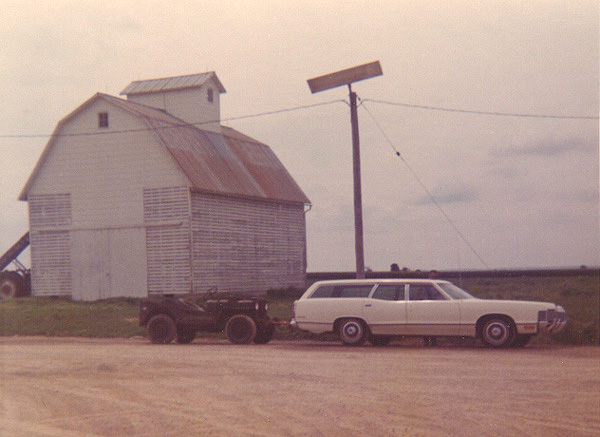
455, 292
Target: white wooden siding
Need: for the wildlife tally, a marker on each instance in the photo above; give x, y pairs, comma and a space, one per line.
242, 245
49, 217
190, 104
106, 173
167, 221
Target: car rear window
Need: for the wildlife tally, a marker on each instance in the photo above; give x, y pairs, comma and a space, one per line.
342, 291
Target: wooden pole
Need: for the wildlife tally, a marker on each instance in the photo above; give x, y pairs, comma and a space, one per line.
358, 221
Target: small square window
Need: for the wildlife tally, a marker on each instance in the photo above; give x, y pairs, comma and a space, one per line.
210, 95
103, 119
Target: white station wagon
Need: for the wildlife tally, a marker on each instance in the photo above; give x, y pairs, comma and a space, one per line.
379, 309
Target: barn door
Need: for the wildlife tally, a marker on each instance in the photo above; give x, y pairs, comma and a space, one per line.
108, 263
90, 264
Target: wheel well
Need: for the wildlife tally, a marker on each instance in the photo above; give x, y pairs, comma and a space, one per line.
339, 320
483, 319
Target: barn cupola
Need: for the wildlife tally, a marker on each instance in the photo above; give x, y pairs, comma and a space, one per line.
193, 98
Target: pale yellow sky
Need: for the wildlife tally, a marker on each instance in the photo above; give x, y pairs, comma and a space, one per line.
523, 190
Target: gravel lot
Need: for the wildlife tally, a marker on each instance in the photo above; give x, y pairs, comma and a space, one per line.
83, 387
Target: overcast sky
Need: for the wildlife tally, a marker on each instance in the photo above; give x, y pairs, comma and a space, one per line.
522, 191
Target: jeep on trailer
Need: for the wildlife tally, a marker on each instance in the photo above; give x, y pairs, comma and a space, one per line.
244, 319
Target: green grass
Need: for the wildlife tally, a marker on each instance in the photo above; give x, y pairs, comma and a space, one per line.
119, 317
63, 317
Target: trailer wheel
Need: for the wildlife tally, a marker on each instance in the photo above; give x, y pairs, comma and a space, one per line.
161, 329
11, 285
240, 329
264, 333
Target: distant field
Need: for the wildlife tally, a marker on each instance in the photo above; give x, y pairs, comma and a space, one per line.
579, 294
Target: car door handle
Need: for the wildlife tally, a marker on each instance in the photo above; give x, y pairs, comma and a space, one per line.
368, 305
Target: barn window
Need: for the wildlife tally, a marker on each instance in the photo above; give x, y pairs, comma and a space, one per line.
103, 119
210, 95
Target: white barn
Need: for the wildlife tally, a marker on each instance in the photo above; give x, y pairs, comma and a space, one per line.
152, 195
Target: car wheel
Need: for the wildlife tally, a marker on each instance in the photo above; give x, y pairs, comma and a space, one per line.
497, 332
240, 329
521, 340
161, 329
264, 334
380, 340
185, 335
352, 332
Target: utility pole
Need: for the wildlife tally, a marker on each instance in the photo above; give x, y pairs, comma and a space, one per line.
333, 80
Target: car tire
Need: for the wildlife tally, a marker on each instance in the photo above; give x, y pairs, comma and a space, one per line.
380, 340
240, 329
185, 335
161, 329
352, 332
497, 332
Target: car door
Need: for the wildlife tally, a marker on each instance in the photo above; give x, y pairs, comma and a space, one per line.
429, 312
385, 311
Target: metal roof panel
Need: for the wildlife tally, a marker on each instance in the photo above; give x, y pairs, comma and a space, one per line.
171, 83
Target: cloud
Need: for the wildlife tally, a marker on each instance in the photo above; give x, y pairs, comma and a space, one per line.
547, 148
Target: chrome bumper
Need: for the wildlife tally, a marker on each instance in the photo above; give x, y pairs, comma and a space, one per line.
552, 321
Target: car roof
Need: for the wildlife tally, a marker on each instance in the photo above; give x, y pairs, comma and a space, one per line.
377, 281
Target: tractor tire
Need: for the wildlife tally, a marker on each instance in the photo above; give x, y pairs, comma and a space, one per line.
240, 329
11, 285
161, 329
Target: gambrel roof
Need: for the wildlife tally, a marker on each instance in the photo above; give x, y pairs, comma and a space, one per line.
227, 163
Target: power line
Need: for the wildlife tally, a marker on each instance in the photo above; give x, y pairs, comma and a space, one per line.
296, 108
176, 125
429, 194
494, 113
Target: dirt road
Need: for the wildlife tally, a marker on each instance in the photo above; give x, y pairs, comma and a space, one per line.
79, 387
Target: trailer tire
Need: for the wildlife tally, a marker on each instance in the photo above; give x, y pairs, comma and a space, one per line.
11, 285
240, 329
161, 329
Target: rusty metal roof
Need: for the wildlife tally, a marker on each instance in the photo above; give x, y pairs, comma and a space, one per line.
171, 83
228, 163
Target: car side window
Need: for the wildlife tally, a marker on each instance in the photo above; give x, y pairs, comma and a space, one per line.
323, 291
342, 291
424, 292
355, 290
389, 292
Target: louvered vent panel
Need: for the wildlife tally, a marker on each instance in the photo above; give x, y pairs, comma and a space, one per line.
51, 263
49, 214
166, 216
49, 210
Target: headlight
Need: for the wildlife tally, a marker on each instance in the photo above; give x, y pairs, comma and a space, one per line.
256, 306
266, 306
